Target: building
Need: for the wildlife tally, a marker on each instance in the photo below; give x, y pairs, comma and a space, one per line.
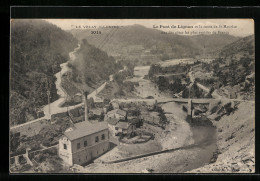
112, 125
116, 113
125, 128
84, 142
115, 105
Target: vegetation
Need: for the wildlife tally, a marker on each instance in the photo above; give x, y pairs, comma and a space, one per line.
37, 49
237, 68
163, 118
92, 65
135, 43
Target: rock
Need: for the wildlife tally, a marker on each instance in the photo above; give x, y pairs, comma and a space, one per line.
235, 168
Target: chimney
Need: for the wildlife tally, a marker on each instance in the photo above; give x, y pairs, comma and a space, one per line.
85, 99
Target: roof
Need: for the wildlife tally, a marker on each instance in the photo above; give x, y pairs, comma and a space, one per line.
123, 125
112, 121
117, 111
82, 124
85, 128
78, 94
133, 120
96, 111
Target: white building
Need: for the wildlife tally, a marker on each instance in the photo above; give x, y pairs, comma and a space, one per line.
84, 142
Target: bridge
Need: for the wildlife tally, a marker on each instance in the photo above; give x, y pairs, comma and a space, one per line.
190, 103
185, 100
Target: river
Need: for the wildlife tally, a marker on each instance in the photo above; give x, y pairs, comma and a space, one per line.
204, 136
197, 142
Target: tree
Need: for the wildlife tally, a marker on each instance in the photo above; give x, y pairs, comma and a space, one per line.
91, 102
14, 143
136, 112
118, 77
101, 118
163, 83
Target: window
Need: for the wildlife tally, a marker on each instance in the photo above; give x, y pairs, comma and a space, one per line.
97, 152
86, 157
78, 145
65, 146
116, 128
96, 139
79, 160
103, 136
85, 143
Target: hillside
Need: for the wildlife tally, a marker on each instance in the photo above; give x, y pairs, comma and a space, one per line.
91, 67
235, 139
241, 47
212, 43
232, 73
146, 45
37, 49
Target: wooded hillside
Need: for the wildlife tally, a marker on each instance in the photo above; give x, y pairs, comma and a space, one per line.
91, 66
37, 49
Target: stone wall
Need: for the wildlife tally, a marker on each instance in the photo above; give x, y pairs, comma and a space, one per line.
30, 129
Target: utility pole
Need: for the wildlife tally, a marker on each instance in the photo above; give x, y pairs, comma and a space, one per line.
189, 90
48, 86
49, 93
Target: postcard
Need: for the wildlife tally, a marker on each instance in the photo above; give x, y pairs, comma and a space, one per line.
132, 96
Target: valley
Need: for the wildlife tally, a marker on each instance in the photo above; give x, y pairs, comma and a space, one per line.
162, 104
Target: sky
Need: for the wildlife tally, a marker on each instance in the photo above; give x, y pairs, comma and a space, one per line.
237, 27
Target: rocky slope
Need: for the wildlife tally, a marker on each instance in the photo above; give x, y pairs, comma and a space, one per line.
235, 138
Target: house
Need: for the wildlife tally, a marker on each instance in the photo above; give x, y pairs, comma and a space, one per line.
115, 105
116, 113
84, 142
112, 125
117, 127
125, 128
95, 113
98, 100
106, 108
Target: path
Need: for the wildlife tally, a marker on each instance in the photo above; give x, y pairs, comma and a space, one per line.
55, 106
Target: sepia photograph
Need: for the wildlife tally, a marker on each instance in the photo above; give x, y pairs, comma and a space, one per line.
132, 96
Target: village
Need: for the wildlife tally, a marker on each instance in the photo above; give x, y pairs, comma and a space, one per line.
97, 130
94, 133
88, 131
135, 101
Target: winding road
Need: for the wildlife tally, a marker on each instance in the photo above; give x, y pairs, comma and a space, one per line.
55, 107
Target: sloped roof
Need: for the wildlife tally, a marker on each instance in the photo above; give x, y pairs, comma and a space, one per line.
112, 121
82, 124
133, 120
117, 111
123, 125
96, 111
85, 128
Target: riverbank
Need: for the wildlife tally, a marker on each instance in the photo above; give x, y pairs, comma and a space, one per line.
178, 133
235, 142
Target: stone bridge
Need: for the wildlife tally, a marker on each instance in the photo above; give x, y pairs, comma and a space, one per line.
187, 103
